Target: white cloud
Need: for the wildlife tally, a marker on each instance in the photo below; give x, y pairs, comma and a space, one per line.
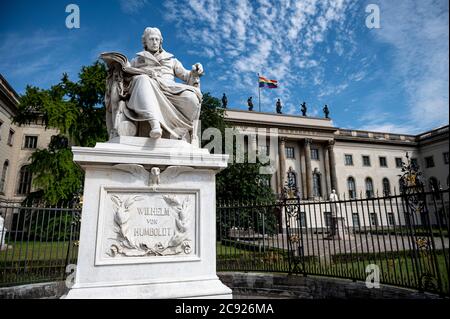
272, 38
132, 6
418, 33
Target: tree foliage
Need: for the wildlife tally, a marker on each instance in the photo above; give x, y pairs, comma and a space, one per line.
55, 172
77, 110
238, 180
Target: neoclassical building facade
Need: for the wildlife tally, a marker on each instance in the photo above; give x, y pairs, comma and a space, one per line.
315, 157
17, 143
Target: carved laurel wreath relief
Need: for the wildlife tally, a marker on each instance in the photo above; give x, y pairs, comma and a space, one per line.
126, 245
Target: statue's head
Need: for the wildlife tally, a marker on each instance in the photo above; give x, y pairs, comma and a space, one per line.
152, 40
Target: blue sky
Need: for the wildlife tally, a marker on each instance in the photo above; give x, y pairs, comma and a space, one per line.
392, 79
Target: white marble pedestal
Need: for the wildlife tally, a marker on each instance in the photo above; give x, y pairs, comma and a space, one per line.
148, 227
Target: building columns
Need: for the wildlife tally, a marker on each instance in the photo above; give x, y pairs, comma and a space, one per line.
302, 181
282, 153
309, 177
332, 166
327, 174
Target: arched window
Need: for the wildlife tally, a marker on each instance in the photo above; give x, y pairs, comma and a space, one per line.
3, 177
386, 187
369, 187
351, 187
434, 185
25, 177
317, 186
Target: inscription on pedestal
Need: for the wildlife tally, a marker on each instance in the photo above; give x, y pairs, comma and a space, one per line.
143, 226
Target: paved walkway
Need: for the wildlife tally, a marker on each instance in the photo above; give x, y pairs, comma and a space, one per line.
321, 245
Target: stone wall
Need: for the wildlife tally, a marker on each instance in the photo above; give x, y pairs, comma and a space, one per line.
258, 285
310, 287
34, 291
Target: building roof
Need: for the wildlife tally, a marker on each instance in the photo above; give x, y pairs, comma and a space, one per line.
8, 95
341, 134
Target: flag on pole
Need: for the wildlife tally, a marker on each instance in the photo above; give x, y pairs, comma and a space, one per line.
270, 84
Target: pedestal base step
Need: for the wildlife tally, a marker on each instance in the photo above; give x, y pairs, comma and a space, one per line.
195, 289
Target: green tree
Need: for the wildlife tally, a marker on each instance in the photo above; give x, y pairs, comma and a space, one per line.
77, 110
238, 180
239, 183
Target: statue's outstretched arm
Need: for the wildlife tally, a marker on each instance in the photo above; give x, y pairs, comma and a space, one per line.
189, 77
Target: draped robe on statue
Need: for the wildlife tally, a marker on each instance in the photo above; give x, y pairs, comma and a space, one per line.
155, 96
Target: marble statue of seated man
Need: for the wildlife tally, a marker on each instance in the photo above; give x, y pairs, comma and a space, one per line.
152, 94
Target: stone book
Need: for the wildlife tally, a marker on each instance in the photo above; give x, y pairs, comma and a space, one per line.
115, 57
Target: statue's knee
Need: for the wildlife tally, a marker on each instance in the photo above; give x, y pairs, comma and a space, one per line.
192, 99
140, 77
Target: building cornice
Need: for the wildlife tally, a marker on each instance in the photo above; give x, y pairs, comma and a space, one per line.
9, 96
297, 123
268, 120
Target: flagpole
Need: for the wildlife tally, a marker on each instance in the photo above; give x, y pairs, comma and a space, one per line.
259, 95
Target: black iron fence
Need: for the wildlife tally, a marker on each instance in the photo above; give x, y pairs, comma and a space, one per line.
400, 239
37, 241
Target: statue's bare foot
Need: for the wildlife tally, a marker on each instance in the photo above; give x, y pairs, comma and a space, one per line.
156, 133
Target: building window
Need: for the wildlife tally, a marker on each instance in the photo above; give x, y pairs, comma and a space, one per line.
383, 161
315, 154
10, 138
386, 187
429, 161
369, 187
366, 160
445, 154
414, 162
348, 159
30, 142
398, 162
317, 189
289, 152
24, 181
373, 219
3, 177
434, 184
327, 216
355, 219
351, 187
302, 219
391, 219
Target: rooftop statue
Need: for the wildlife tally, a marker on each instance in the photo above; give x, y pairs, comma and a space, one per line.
250, 103
144, 91
224, 101
303, 108
326, 111
279, 106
